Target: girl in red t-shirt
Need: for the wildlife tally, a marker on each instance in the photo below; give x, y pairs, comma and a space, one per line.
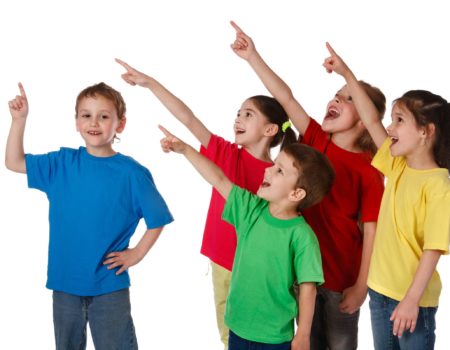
260, 125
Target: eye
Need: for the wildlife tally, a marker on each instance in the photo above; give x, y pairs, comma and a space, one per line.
85, 115
279, 171
104, 116
349, 98
247, 114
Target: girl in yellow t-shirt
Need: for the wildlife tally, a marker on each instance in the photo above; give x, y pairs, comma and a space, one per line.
414, 221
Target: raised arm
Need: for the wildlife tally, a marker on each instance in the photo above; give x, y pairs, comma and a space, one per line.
244, 47
175, 106
207, 169
15, 155
363, 104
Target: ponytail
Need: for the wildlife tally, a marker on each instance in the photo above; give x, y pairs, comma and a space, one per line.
275, 113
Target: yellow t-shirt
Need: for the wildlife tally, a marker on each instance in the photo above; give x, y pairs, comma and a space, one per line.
414, 216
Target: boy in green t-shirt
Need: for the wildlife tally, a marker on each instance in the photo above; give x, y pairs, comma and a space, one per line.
275, 246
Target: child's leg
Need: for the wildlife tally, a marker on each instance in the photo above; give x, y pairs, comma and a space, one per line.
381, 308
341, 329
111, 323
221, 282
69, 320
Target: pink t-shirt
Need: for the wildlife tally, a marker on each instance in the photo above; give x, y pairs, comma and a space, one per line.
355, 196
244, 170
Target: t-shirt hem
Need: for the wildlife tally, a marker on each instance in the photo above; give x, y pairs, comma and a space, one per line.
259, 339
86, 293
398, 297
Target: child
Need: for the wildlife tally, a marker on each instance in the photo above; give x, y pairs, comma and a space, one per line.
414, 222
353, 199
261, 124
97, 197
275, 246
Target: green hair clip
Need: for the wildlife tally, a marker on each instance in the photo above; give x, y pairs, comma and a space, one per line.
286, 125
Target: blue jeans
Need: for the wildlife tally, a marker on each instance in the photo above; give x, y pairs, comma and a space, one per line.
109, 317
331, 328
423, 337
235, 342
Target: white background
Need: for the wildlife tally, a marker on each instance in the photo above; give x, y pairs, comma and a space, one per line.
57, 48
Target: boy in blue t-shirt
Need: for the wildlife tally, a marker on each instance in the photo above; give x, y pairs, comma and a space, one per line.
275, 246
96, 200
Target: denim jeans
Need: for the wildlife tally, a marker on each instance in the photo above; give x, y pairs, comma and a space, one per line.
108, 315
331, 328
235, 342
381, 308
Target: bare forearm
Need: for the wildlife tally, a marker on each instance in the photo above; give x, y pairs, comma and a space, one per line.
366, 109
425, 270
179, 110
148, 240
15, 155
369, 229
209, 171
307, 301
280, 91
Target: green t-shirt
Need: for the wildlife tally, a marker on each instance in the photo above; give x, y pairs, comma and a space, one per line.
271, 255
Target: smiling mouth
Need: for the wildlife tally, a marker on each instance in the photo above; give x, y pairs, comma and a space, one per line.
265, 184
332, 113
394, 140
94, 133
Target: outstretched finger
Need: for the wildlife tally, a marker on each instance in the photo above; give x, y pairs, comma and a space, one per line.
236, 27
123, 64
330, 49
165, 131
22, 91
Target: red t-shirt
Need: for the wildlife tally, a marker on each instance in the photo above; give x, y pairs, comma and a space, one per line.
244, 170
355, 196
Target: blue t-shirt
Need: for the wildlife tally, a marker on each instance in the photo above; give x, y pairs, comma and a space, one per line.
95, 204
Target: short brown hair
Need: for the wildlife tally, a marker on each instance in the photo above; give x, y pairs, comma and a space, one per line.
107, 92
316, 174
365, 142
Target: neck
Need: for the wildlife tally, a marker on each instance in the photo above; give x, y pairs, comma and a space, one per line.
421, 160
347, 139
282, 212
260, 151
100, 152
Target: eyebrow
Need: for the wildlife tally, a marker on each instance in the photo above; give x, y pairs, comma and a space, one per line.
246, 109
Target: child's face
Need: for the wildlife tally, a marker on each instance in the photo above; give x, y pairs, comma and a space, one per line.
341, 113
250, 125
280, 181
405, 134
97, 122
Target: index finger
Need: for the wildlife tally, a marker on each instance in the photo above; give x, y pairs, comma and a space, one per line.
330, 49
123, 64
164, 130
236, 27
22, 91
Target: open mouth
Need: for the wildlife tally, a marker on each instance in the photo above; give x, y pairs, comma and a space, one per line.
265, 184
94, 133
239, 131
332, 113
394, 140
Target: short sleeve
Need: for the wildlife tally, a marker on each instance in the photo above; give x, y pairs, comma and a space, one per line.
218, 150
372, 192
242, 208
150, 204
437, 223
41, 170
383, 160
308, 263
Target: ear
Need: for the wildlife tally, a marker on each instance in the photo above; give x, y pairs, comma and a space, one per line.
122, 123
429, 130
297, 195
271, 130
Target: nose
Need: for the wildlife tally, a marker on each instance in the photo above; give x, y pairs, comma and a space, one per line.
337, 99
94, 121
